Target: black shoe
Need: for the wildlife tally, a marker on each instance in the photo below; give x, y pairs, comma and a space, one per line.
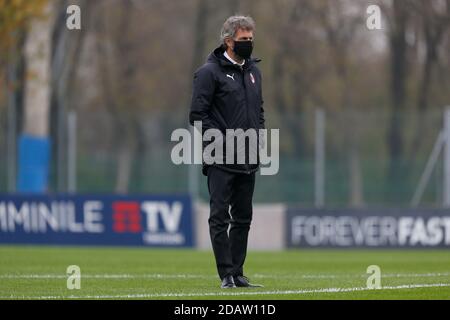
228, 283
242, 281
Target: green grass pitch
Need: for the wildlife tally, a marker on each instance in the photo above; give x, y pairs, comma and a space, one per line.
138, 273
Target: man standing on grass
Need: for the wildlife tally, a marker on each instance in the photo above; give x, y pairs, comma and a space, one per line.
227, 95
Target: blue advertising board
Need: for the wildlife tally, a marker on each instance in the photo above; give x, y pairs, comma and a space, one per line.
155, 221
34, 161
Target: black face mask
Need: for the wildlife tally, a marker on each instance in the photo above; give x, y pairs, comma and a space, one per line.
243, 48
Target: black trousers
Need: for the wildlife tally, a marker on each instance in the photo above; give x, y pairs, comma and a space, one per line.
230, 206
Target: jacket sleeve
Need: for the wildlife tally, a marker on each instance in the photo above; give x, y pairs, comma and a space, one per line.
202, 97
261, 113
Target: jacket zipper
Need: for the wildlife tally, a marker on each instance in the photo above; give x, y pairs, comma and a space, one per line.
247, 116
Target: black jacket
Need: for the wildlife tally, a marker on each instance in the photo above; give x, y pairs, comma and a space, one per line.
228, 96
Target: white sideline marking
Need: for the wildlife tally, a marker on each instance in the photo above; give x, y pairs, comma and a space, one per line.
240, 293
198, 276
105, 276
332, 276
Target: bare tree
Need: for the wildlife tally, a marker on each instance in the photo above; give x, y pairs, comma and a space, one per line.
397, 15
340, 28
66, 47
117, 74
435, 16
287, 49
200, 34
37, 87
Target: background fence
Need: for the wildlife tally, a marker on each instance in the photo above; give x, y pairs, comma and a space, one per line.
358, 168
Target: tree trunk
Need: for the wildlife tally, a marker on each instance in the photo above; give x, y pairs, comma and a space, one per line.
285, 51
38, 76
201, 23
126, 74
434, 32
65, 58
398, 71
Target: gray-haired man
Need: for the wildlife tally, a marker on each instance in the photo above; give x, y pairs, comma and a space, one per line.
227, 95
